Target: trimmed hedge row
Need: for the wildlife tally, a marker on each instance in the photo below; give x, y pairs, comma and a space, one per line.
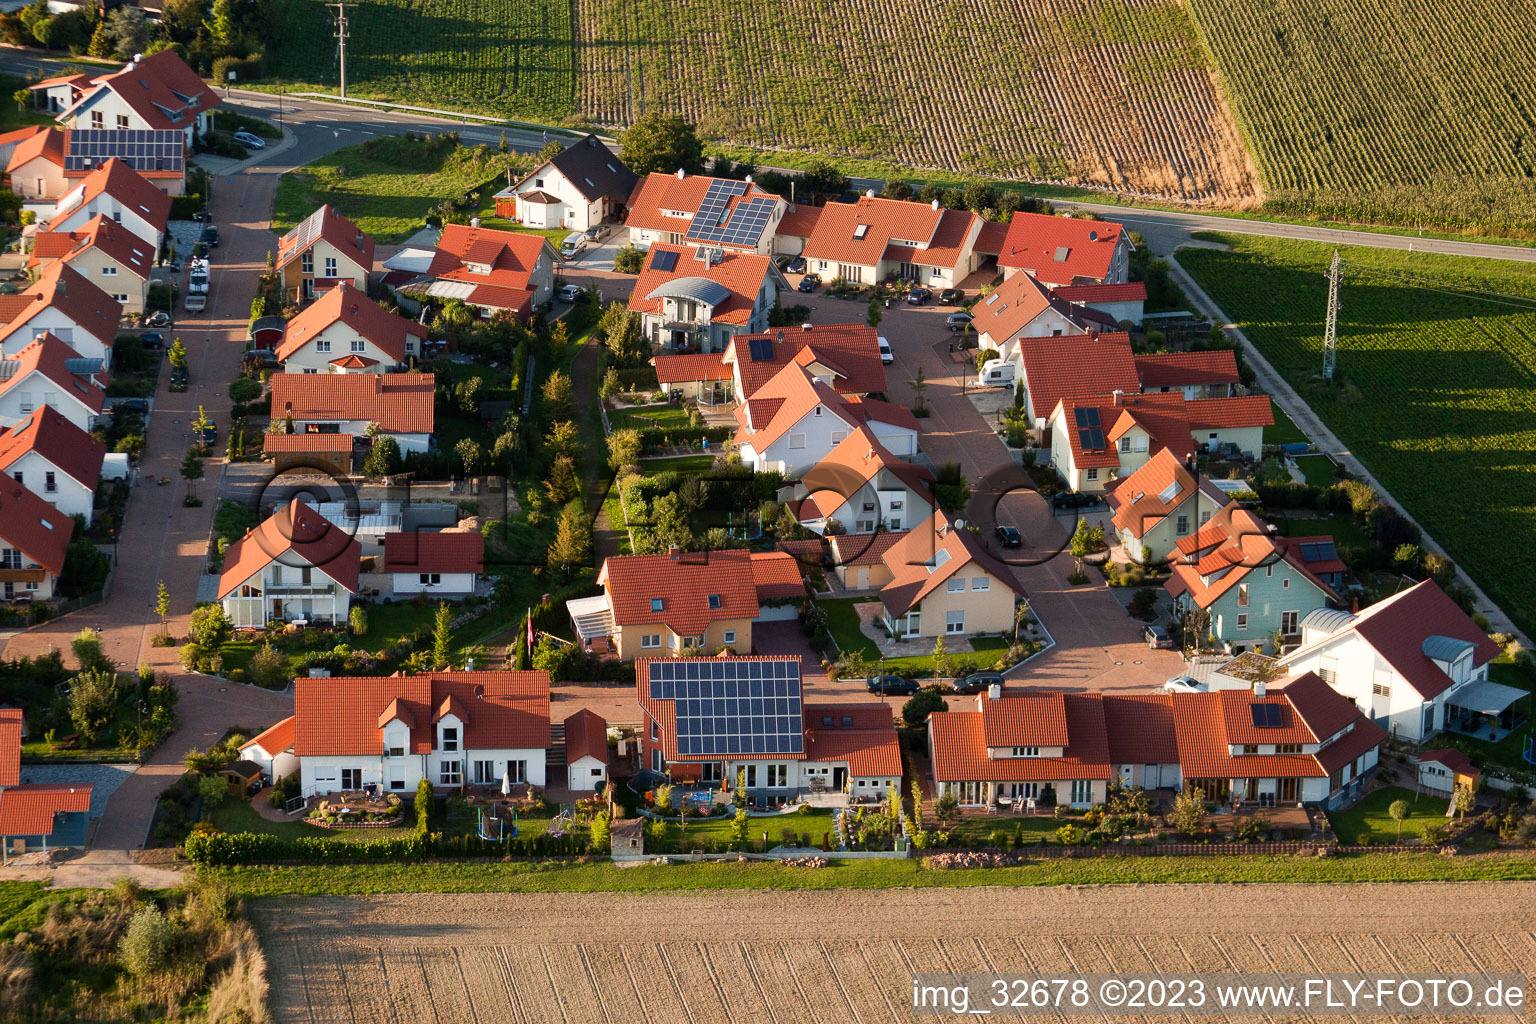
229, 848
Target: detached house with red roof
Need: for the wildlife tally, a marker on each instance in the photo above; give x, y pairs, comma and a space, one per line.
1022, 307
695, 210
1159, 505
1063, 251
582, 185
399, 403
116, 260
743, 721
494, 271
36, 816
446, 562
46, 371
54, 459
1056, 368
118, 192
862, 488
347, 332
321, 252
944, 583
1414, 662
845, 357
454, 729
65, 303
296, 566
1249, 583
34, 537
1303, 744
1209, 374
699, 299
36, 169
154, 93
872, 239
795, 420
55, 95
271, 750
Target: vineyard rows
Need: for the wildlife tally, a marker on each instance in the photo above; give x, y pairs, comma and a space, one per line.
1385, 110
1439, 383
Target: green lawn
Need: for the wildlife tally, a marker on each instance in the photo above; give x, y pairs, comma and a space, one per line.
681, 464
843, 624
1370, 815
11, 117
1318, 469
978, 831
1343, 529
1285, 430
387, 185
1433, 392
720, 829
239, 816
641, 417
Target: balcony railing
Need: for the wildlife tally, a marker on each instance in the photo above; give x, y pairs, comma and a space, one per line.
300, 588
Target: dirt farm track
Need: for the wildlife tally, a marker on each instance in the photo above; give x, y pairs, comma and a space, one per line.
842, 956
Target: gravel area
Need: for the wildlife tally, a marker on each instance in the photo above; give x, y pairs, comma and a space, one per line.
102, 778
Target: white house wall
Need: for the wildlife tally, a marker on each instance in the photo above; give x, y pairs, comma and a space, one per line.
70, 496
448, 583
54, 321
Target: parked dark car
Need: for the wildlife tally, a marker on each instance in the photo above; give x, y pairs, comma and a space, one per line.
796, 265
1009, 537
894, 686
207, 436
808, 283
918, 296
138, 405
1072, 499
977, 682
211, 236
159, 318
1157, 638
261, 359
952, 296
152, 340
179, 375
958, 322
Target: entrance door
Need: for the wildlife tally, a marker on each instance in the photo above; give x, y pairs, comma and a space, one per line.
1251, 789
277, 608
1287, 790
839, 778
1151, 776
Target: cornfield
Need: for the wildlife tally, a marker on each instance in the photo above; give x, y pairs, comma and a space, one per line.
1437, 396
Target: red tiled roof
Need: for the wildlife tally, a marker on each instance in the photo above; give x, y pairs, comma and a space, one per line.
346, 715
78, 81
1223, 551
1075, 367
122, 246
850, 351
686, 369
1138, 499
1364, 737
1130, 291
326, 443
776, 575
49, 356
10, 746
354, 362
1322, 709
857, 460
452, 551
838, 236
1451, 758
400, 403
353, 308
991, 238
274, 739
1200, 722
130, 188
586, 735
864, 548
875, 410
1010, 307
40, 141
960, 747
1060, 250
327, 222
34, 527
1140, 729
928, 555
1295, 548
800, 220
1178, 369
868, 743
1237, 718
658, 197
298, 528
951, 240
511, 257
58, 441
1064, 418
29, 810
65, 289
1239, 411
1024, 719
160, 88
683, 586
740, 273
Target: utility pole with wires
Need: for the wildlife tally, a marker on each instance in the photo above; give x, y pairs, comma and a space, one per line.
1331, 330
341, 42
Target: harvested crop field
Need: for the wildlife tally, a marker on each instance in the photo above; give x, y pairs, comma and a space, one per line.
801, 956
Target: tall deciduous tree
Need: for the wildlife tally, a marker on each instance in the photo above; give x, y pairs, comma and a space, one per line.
665, 143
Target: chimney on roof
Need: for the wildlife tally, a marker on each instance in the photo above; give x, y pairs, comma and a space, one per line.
781, 336
1119, 398
1259, 689
354, 309
995, 692
673, 551
359, 238
681, 174
805, 326
474, 222
934, 204
1354, 605
479, 690
749, 179
869, 193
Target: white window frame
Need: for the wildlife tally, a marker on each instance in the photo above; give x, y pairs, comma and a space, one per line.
951, 627
954, 585
322, 345
729, 636
449, 772
981, 584
649, 641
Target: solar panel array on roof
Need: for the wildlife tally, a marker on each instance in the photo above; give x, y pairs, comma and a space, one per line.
140, 149
1087, 416
1319, 551
1266, 716
731, 706
665, 261
717, 222
1090, 440
760, 350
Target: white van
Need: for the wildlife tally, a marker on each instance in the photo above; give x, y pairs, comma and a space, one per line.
575, 243
997, 373
195, 302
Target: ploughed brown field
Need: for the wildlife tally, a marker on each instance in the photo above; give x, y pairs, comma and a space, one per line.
841, 956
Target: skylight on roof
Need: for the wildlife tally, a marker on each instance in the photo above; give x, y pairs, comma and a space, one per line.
1171, 491
992, 298
655, 604
859, 232
1061, 254
714, 601
46, 524
939, 558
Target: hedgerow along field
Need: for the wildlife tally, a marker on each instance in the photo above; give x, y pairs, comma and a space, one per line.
1105, 93
1436, 382
1416, 111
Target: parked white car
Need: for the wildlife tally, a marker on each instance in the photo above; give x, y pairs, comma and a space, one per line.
1184, 684
886, 355
249, 141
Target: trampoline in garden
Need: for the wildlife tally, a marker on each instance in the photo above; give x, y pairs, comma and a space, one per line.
498, 822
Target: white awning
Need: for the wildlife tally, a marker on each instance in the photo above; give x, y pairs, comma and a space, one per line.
1486, 697
414, 260
591, 616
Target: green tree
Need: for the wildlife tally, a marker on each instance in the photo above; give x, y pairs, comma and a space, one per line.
1188, 815
979, 196
501, 146
442, 635
552, 149
572, 547
129, 30
623, 448
101, 41
601, 834
741, 828
470, 453
383, 458
86, 647
1399, 811
149, 942
182, 18
85, 569
222, 25
662, 142
357, 619
562, 485
917, 801
896, 188
269, 667
558, 403
919, 385
947, 808
92, 702
1464, 800
211, 790
178, 354
563, 439
942, 665
162, 602
201, 424
920, 705
210, 627
191, 471
872, 315
610, 385
504, 450
821, 180
1086, 539
628, 260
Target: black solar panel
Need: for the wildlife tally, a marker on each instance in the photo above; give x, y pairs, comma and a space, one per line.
1265, 716
1320, 551
139, 149
760, 350
1087, 417
665, 261
1090, 440
717, 222
732, 707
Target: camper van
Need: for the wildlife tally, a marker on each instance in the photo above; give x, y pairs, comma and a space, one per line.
574, 244
197, 278
997, 373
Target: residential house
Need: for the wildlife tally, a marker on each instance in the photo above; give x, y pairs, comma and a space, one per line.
697, 300
702, 377
1445, 771
1299, 745
944, 583
34, 537
55, 460
1123, 303
159, 157
582, 185
399, 403
296, 566
862, 487
454, 729
858, 559
1247, 584
795, 229
694, 210
116, 260
658, 604
46, 371
38, 816
444, 563
1063, 251
1095, 442
795, 421
497, 272
1415, 662
1208, 374
776, 745
322, 251
118, 192
1022, 307
845, 357
154, 93
36, 170
346, 332
586, 752
57, 94
65, 303
1158, 505
1052, 369
271, 750
870, 240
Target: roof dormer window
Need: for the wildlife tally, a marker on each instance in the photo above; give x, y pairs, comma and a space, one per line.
715, 601
655, 604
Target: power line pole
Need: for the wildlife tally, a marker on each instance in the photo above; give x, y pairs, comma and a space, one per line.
341, 42
1331, 330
